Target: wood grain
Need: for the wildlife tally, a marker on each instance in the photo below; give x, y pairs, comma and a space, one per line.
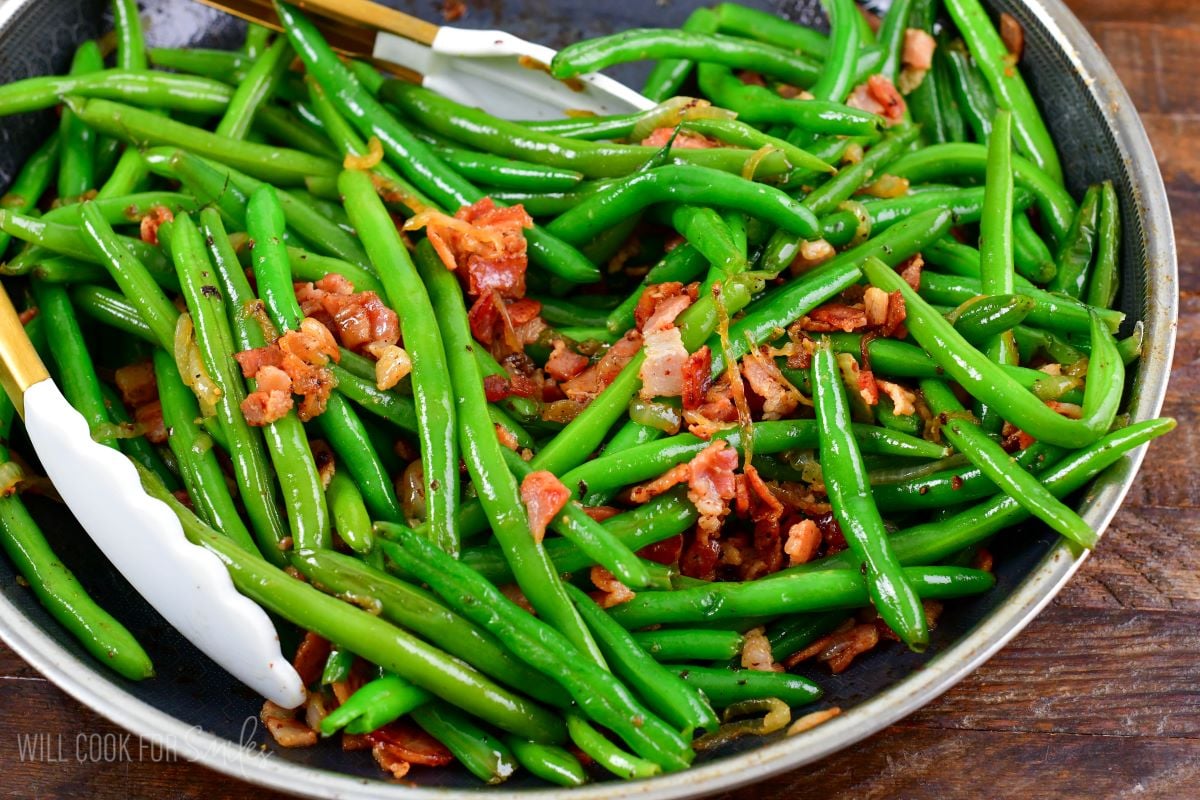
1099, 697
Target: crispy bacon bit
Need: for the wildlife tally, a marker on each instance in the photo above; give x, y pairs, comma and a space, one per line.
310, 657
360, 320
672, 477
136, 383
611, 591
564, 363
711, 485
868, 387
1013, 36
717, 411
150, 223
496, 388
756, 652
544, 496
486, 242
595, 379
507, 438
910, 270
662, 370
665, 552
751, 78
1068, 410
839, 648
812, 720
878, 96
405, 741
514, 593
601, 513
697, 378
28, 315
766, 512
285, 729
294, 364
150, 418
875, 303
1013, 439
660, 303
779, 397
835, 316
804, 539
453, 10
918, 49
684, 141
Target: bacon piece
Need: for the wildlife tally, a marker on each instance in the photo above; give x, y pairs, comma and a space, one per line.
680, 473
136, 383
756, 652
486, 242
868, 387
716, 413
301, 356
779, 397
496, 388
564, 363
918, 49
595, 379
406, 741
835, 316
878, 96
155, 217
803, 541
285, 729
544, 496
360, 320
271, 399
612, 591
665, 552
310, 657
662, 370
910, 270
656, 295
839, 648
600, 513
903, 399
150, 417
697, 378
1013, 36
686, 140
711, 485
875, 304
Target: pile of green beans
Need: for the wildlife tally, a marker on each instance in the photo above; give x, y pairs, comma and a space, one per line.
899, 337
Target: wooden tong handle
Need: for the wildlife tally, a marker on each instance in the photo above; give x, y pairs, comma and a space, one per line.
372, 15
20, 366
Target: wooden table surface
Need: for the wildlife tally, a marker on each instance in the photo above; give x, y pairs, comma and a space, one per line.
1100, 696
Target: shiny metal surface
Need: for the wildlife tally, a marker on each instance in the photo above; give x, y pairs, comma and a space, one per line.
194, 710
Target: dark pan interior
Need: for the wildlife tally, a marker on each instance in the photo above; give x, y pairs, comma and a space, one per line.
40, 40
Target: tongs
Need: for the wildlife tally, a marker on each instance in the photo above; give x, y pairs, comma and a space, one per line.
141, 536
489, 69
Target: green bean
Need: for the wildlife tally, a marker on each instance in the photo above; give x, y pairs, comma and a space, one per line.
411, 156
31, 182
194, 453
490, 170
77, 160
991, 315
1102, 287
961, 160
363, 633
932, 541
1031, 255
757, 104
699, 644
970, 90
663, 517
1008, 87
669, 75
494, 483
1075, 254
432, 393
725, 687
144, 88
337, 666
291, 456
599, 695
733, 132
308, 266
1052, 311
60, 593
484, 756
678, 704
995, 226
76, 373
374, 705
991, 385
125, 209
600, 749
246, 450
592, 538
684, 184
640, 44
550, 763
854, 507
787, 593
837, 76
278, 165
286, 127
254, 90
350, 517
767, 27
349, 439
417, 610
222, 65
111, 308
891, 38
792, 634
255, 44
990, 458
